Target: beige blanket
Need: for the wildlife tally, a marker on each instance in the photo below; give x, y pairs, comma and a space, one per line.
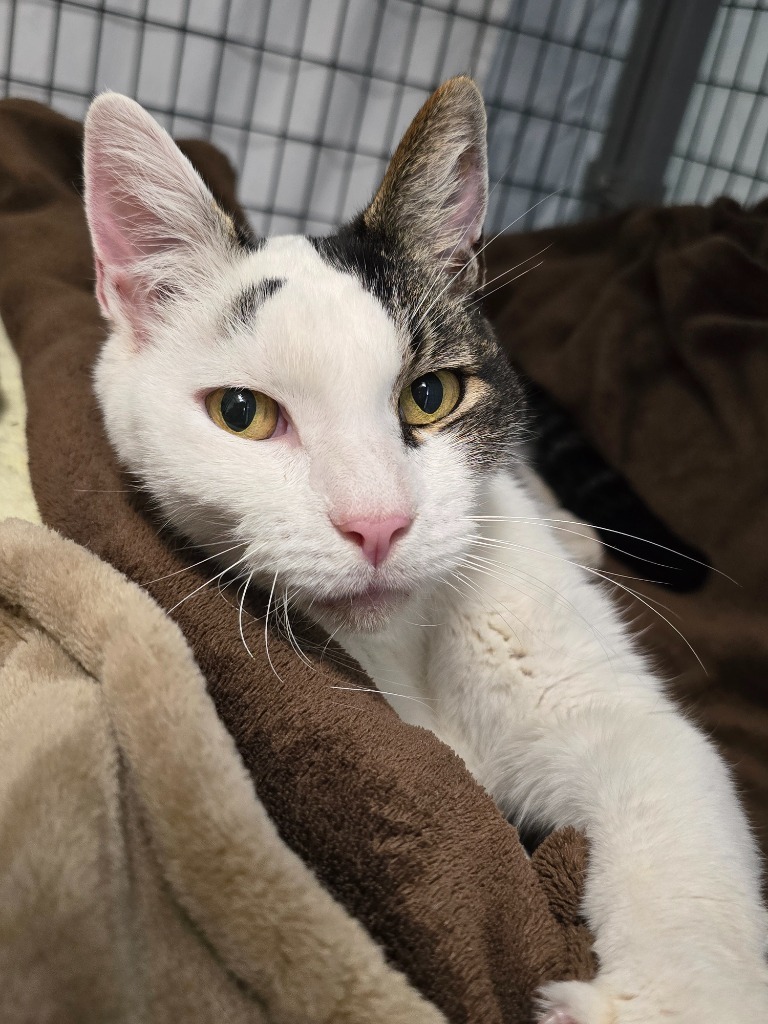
140, 877
16, 498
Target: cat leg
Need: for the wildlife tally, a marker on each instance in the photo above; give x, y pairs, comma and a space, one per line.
672, 890
563, 723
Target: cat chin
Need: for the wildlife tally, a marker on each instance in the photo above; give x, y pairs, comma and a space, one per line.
367, 612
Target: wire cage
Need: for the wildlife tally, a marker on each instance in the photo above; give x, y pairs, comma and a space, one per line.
309, 97
722, 146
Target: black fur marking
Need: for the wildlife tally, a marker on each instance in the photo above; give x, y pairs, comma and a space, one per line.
370, 257
246, 239
445, 329
251, 298
595, 492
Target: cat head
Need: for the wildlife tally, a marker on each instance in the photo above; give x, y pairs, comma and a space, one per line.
325, 409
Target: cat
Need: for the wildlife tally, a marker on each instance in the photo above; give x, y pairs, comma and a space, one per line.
340, 410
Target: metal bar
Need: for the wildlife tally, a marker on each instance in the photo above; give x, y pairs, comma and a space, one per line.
213, 97
140, 50
236, 40
325, 107
9, 46
722, 29
590, 108
285, 120
179, 65
528, 103
253, 88
728, 110
359, 111
94, 76
54, 51
565, 87
388, 134
668, 44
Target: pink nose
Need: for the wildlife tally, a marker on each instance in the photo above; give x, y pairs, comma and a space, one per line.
375, 536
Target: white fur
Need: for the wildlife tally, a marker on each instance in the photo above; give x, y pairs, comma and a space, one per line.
326, 351
520, 662
534, 680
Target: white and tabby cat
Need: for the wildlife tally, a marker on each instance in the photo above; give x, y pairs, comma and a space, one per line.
337, 413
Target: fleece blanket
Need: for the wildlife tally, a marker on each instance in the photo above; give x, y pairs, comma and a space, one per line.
650, 331
16, 498
387, 818
140, 877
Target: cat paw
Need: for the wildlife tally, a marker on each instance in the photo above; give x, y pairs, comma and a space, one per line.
601, 1002
575, 1002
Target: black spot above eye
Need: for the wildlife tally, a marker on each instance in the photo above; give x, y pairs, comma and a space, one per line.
238, 407
427, 392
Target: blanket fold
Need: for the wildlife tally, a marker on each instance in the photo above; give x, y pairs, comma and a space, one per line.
140, 877
384, 814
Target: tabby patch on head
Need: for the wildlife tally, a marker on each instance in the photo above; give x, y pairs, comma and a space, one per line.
326, 408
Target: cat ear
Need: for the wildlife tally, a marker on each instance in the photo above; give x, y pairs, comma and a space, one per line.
435, 191
154, 225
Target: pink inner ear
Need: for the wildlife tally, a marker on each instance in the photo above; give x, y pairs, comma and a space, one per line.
124, 231
465, 208
143, 199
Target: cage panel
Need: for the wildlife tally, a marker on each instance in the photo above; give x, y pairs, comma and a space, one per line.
299, 90
720, 148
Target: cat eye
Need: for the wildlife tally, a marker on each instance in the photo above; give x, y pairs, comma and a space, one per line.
243, 412
430, 398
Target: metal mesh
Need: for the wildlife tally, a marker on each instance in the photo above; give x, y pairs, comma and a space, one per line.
308, 97
722, 147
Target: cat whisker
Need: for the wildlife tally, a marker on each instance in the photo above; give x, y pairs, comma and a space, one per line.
498, 543
520, 575
425, 701
502, 574
266, 630
438, 274
337, 657
594, 572
481, 287
509, 270
470, 561
476, 255
194, 565
207, 583
606, 529
484, 296
643, 600
292, 636
240, 614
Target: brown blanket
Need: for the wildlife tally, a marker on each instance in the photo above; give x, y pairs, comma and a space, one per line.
651, 329
386, 816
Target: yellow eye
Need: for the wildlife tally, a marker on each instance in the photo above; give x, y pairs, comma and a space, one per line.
430, 398
243, 412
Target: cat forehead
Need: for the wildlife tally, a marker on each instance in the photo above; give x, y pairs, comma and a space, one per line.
292, 320
302, 262
290, 278
363, 290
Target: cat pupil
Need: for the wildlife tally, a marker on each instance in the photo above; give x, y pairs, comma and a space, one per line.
238, 407
427, 392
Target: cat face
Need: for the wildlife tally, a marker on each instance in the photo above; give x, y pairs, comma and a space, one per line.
323, 412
